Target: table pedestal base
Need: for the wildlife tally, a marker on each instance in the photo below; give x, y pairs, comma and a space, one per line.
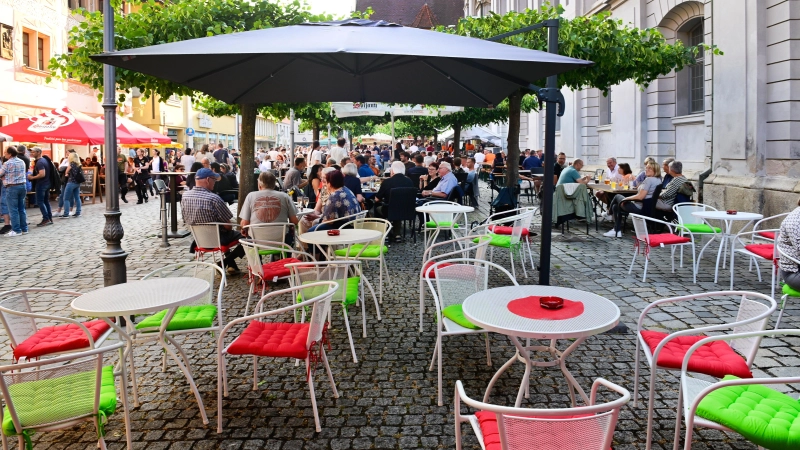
176, 234
523, 355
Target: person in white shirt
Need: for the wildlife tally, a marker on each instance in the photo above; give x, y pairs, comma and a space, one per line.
338, 153
273, 154
155, 167
265, 165
316, 155
187, 160
479, 158
413, 148
612, 169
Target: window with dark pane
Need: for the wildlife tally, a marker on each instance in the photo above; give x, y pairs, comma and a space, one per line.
696, 72
26, 49
40, 53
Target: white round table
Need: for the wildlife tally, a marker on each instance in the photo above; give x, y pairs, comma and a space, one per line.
444, 208
303, 211
727, 238
489, 310
347, 236
146, 297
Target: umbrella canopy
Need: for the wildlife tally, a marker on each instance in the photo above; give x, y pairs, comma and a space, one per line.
358, 109
142, 134
61, 126
350, 60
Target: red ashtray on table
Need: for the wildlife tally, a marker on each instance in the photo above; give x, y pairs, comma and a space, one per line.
731, 212
333, 232
551, 302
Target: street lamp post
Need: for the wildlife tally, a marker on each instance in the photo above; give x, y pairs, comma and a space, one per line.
114, 270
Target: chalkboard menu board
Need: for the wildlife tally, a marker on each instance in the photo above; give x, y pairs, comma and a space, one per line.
89, 187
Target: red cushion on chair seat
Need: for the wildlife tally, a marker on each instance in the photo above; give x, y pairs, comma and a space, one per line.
60, 338
432, 273
767, 234
766, 251
491, 435
221, 248
506, 231
667, 239
275, 339
278, 268
715, 358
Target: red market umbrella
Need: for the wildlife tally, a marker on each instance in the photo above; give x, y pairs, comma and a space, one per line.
62, 126
142, 134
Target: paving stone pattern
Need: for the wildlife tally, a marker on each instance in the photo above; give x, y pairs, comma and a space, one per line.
388, 399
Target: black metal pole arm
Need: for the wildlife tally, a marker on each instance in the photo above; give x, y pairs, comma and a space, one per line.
547, 23
553, 95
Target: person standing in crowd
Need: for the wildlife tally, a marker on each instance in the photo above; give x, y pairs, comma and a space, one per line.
13, 174
200, 206
122, 176
72, 191
386, 154
338, 153
187, 160
141, 166
157, 166
221, 155
42, 171
316, 155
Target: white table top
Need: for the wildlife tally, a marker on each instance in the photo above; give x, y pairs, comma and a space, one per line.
489, 310
140, 297
346, 237
304, 211
444, 208
722, 215
171, 173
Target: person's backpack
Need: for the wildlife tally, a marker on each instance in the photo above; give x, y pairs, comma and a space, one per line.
55, 179
505, 201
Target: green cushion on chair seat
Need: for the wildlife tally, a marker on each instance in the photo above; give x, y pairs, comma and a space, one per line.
456, 314
700, 228
764, 416
372, 251
788, 290
351, 295
498, 240
185, 318
54, 399
263, 252
433, 224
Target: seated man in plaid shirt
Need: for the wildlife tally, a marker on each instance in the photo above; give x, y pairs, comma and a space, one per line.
200, 205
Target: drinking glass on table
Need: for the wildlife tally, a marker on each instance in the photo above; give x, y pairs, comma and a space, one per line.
613, 185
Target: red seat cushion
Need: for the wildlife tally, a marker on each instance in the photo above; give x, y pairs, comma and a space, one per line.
60, 338
221, 248
506, 231
767, 234
766, 251
667, 239
491, 435
278, 268
715, 358
432, 273
275, 339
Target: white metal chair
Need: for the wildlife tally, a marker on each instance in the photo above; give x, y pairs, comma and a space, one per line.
694, 390
33, 335
695, 227
207, 240
371, 251
454, 280
665, 351
264, 273
434, 223
204, 315
511, 230
588, 427
348, 274
62, 392
462, 247
644, 241
279, 339
272, 232
756, 251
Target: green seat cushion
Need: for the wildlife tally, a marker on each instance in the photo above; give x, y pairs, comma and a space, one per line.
700, 228
185, 318
351, 295
764, 416
263, 252
372, 251
456, 314
54, 399
788, 290
432, 224
498, 240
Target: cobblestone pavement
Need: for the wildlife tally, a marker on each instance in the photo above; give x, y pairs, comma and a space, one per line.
388, 399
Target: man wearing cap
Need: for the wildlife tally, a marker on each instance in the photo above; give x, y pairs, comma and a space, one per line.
200, 206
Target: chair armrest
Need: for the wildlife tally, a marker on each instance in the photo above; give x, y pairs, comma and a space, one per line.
626, 395
53, 318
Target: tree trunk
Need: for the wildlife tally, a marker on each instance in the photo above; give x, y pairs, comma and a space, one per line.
512, 161
435, 138
247, 142
456, 140
315, 132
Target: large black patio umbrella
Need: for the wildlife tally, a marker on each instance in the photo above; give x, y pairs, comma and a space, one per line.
353, 60
357, 60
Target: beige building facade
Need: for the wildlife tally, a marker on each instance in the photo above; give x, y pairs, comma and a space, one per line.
732, 119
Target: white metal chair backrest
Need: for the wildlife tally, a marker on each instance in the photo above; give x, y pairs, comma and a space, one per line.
382, 225
17, 316
269, 231
201, 270
458, 278
684, 212
19, 383
442, 217
320, 312
351, 217
757, 227
253, 258
310, 272
461, 247
640, 227
206, 236
750, 308
548, 429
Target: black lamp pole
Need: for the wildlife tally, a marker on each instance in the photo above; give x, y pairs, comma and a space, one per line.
114, 270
